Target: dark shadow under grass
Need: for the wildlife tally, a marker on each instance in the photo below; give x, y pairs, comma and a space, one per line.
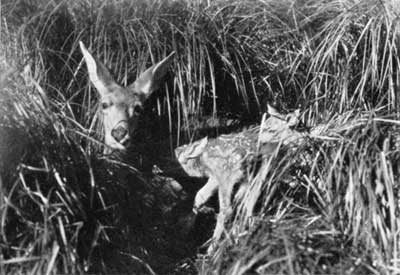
298, 243
104, 216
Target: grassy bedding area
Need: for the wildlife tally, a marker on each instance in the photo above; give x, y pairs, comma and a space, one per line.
329, 207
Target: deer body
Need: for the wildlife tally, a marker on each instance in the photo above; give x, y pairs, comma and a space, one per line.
227, 159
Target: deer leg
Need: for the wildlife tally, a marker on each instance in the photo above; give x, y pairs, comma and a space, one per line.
225, 209
205, 193
225, 191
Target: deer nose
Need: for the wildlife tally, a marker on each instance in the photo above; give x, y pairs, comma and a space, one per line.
119, 133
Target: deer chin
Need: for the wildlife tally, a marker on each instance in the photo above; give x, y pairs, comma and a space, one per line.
120, 147
115, 147
112, 144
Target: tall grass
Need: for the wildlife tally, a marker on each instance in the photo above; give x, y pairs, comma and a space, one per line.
340, 189
338, 60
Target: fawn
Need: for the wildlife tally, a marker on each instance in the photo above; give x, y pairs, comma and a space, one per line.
225, 159
122, 106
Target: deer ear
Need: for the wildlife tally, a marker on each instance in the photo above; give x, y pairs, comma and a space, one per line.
150, 80
293, 118
98, 73
198, 148
272, 111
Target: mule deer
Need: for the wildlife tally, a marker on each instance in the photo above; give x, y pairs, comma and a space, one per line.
122, 106
226, 159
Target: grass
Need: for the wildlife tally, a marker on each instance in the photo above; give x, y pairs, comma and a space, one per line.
328, 207
329, 216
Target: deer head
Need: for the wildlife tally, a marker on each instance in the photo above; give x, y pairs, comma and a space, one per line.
122, 107
291, 119
188, 156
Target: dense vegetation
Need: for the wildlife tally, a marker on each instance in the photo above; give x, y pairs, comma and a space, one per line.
65, 208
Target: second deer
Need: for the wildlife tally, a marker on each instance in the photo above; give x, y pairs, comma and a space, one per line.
226, 159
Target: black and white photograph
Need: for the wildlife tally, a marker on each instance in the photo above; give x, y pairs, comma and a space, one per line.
183, 137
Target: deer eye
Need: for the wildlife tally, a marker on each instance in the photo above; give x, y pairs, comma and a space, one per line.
105, 105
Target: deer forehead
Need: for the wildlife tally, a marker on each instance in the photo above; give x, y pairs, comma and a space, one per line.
182, 151
122, 96
179, 150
